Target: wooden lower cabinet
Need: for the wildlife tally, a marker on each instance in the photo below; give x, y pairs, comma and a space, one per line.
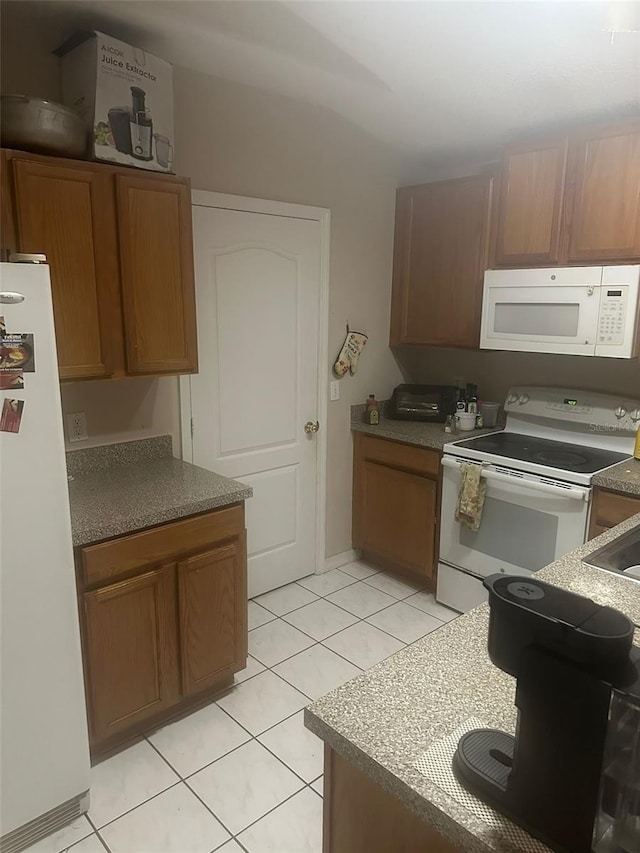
212, 605
610, 508
168, 633
131, 650
361, 817
395, 504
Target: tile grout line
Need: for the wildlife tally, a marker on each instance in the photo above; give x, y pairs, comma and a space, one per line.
142, 803
184, 779
313, 592
97, 832
235, 834
358, 619
357, 580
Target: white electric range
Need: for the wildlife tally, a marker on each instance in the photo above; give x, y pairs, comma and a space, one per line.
538, 473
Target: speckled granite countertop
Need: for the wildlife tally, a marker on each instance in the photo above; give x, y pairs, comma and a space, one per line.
411, 432
384, 719
623, 477
149, 487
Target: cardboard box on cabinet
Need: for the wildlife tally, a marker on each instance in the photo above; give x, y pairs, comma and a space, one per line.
125, 96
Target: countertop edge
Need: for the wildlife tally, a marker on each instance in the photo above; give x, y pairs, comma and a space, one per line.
93, 535
377, 432
415, 801
624, 477
421, 801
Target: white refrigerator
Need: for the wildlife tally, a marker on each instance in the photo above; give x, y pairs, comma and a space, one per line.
44, 755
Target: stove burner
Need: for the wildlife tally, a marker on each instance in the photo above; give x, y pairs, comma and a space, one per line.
560, 459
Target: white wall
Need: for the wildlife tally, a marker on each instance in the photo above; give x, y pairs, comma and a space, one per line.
124, 409
236, 139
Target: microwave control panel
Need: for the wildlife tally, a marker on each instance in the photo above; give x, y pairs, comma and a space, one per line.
611, 324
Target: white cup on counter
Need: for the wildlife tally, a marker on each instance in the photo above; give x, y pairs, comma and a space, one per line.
466, 421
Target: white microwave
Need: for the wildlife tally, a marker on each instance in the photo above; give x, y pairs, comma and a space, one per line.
570, 310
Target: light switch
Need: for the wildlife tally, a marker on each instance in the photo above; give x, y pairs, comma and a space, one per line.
334, 390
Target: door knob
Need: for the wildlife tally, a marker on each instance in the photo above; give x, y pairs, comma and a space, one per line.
311, 427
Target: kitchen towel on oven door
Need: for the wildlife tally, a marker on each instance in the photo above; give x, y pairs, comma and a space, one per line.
471, 496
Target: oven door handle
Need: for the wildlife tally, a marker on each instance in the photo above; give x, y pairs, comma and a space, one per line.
577, 494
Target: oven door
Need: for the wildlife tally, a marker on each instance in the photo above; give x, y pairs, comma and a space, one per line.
527, 521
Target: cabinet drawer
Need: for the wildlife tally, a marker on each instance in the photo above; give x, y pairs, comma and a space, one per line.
611, 508
398, 455
112, 559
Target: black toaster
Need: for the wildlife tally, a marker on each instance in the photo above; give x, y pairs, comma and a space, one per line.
422, 403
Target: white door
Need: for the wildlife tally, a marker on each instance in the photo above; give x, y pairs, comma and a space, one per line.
259, 317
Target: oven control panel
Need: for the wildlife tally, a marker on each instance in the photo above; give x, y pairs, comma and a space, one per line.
571, 405
587, 410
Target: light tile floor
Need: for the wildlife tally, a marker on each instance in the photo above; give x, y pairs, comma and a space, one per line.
243, 773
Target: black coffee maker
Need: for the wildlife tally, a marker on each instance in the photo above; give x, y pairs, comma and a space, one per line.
568, 655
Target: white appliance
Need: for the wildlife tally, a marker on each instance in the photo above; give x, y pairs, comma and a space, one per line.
570, 310
538, 474
44, 767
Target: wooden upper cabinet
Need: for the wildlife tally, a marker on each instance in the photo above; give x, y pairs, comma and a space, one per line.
156, 258
130, 651
213, 615
440, 255
529, 215
119, 245
604, 218
68, 214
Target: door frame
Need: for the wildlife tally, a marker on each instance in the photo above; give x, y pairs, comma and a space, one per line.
204, 198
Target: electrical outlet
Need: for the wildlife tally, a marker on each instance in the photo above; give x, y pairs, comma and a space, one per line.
77, 426
334, 390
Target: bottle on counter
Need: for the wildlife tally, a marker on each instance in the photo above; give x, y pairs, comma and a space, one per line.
372, 414
636, 449
472, 399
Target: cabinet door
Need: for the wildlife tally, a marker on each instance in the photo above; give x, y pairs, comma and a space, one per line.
156, 259
7, 215
530, 204
609, 509
213, 615
398, 516
68, 213
604, 221
130, 651
440, 254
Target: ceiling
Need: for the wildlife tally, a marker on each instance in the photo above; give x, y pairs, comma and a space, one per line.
442, 82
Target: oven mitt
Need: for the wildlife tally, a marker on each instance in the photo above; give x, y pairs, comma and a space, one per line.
471, 496
353, 345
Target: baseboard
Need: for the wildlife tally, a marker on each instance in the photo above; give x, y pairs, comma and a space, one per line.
340, 560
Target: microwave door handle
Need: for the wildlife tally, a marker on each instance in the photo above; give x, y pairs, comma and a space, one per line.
577, 494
